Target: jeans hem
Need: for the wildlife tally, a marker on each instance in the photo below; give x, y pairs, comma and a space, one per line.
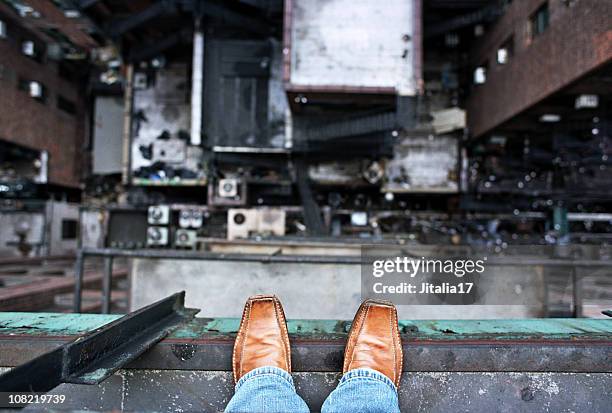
266, 371
367, 373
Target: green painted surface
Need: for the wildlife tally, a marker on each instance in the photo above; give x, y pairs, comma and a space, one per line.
54, 324
430, 329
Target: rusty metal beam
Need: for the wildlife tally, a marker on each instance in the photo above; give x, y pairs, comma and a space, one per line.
94, 357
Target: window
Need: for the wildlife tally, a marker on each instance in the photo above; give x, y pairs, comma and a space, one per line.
480, 74
66, 105
31, 49
35, 89
69, 229
539, 20
2, 30
28, 48
505, 51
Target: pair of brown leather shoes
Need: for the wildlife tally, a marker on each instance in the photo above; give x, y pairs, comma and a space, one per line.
373, 342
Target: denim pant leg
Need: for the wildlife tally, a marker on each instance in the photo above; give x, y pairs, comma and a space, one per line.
266, 389
365, 391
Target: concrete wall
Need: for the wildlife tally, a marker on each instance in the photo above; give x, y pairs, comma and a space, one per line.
307, 290
578, 40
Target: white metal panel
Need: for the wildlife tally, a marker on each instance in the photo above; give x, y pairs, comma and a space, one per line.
424, 164
162, 106
92, 228
197, 84
357, 43
108, 130
59, 243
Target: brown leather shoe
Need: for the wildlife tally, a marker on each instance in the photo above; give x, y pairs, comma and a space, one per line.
374, 340
262, 338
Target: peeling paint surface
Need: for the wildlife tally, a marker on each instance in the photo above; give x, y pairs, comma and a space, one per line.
55, 324
353, 43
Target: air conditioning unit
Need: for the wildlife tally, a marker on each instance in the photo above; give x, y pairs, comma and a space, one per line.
359, 218
185, 238
228, 188
157, 236
159, 215
191, 218
271, 221
243, 222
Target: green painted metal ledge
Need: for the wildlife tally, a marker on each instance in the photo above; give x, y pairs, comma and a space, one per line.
60, 324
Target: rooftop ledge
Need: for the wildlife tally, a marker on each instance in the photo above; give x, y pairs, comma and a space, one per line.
561, 345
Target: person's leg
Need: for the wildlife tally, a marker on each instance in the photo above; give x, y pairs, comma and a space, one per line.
266, 389
373, 360
363, 390
262, 361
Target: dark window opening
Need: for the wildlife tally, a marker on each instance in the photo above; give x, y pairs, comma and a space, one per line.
32, 49
539, 20
505, 51
66, 71
480, 74
66, 105
69, 229
35, 89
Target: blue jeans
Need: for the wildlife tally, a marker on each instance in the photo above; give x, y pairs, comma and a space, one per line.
271, 390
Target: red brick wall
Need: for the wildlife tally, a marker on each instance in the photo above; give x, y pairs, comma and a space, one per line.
41, 126
578, 40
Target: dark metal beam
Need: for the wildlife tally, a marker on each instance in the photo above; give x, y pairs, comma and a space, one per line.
227, 15
85, 4
153, 49
94, 357
353, 127
317, 259
312, 211
232, 17
118, 27
485, 14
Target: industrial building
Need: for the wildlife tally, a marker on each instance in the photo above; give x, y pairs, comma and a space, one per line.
239, 147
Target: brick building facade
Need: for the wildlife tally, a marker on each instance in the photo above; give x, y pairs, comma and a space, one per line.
549, 44
42, 95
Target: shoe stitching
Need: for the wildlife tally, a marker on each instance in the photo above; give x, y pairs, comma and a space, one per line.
286, 335
358, 334
396, 336
347, 349
350, 345
246, 332
283, 328
393, 344
238, 339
